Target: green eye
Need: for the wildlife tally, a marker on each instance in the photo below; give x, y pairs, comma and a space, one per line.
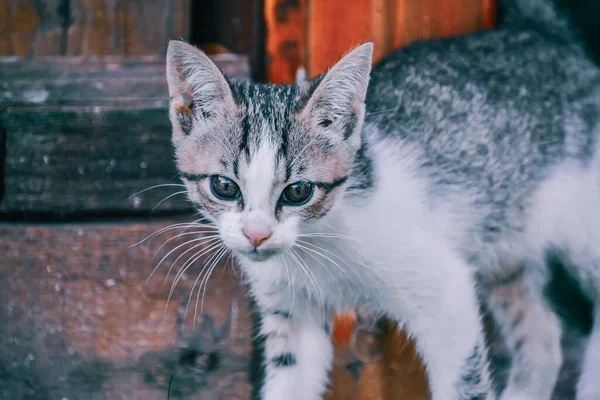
224, 188
297, 193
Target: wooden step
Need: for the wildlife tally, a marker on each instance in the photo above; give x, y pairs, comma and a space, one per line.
84, 135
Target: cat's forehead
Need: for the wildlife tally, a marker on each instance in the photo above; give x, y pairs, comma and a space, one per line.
267, 119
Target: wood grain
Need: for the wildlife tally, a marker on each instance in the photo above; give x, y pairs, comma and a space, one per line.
91, 27
328, 41
426, 19
84, 137
390, 24
149, 24
80, 322
96, 27
74, 160
92, 67
286, 26
32, 28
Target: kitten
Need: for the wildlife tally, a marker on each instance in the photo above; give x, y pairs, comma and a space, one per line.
391, 189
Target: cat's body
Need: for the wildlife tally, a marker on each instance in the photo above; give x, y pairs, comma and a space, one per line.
477, 156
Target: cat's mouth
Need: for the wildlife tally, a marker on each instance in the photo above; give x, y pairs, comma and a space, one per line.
258, 255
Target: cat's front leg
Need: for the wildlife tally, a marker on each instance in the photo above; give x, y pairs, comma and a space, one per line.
298, 354
444, 319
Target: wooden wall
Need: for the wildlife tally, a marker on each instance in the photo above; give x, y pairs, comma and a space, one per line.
315, 33
86, 27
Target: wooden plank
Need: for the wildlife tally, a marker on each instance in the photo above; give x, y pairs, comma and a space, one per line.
87, 135
33, 28
149, 24
91, 27
96, 27
286, 38
79, 321
18, 68
73, 160
328, 41
116, 90
425, 19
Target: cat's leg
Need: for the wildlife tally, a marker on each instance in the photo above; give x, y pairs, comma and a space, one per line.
588, 387
442, 314
298, 354
532, 332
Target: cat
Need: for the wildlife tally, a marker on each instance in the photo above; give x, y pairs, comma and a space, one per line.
415, 189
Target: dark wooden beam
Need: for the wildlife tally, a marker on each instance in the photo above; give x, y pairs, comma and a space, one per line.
82, 136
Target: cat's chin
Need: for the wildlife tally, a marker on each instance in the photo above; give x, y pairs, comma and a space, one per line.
259, 255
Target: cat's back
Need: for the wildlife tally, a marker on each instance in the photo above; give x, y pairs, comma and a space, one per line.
491, 112
482, 86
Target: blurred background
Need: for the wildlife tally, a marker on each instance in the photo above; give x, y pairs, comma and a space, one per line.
84, 140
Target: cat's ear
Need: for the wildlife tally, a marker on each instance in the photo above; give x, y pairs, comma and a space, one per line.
337, 105
197, 88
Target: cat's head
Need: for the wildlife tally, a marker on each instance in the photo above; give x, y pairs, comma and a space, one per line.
263, 162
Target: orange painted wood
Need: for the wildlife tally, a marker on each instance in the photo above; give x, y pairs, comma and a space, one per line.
286, 38
423, 19
334, 28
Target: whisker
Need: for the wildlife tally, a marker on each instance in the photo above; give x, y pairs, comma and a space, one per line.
328, 236
170, 252
313, 279
167, 198
185, 234
214, 265
291, 275
206, 265
155, 187
304, 246
215, 243
171, 227
189, 263
212, 238
310, 253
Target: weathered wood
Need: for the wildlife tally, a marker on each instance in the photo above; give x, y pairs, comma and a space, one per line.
286, 25
86, 136
96, 28
91, 27
79, 321
18, 68
72, 160
70, 91
425, 19
390, 24
328, 41
149, 24
29, 27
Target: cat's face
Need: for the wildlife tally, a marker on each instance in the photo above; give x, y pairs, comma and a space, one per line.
260, 161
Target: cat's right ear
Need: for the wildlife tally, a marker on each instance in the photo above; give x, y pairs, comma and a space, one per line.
198, 90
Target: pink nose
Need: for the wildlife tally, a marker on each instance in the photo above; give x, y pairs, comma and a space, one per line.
257, 237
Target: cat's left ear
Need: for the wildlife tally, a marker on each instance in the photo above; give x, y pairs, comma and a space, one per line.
200, 94
337, 105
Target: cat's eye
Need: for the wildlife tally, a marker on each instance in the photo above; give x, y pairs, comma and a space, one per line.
224, 188
297, 193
